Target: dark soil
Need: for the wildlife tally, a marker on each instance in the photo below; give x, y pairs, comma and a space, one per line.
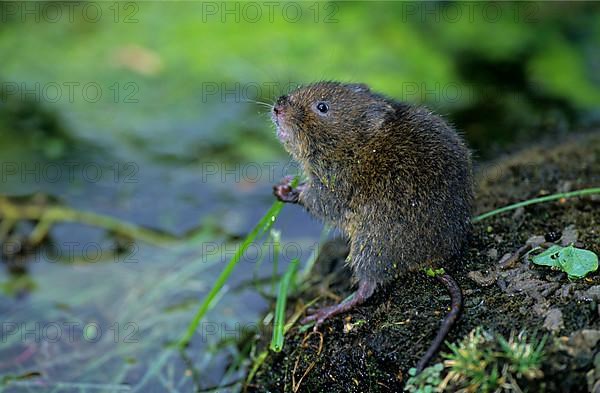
390, 332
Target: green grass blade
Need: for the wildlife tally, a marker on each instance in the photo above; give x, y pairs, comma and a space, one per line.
585, 191
276, 252
279, 324
272, 241
315, 253
263, 225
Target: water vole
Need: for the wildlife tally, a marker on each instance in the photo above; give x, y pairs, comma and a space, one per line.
395, 178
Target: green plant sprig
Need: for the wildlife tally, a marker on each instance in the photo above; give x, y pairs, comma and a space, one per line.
585, 191
284, 288
265, 223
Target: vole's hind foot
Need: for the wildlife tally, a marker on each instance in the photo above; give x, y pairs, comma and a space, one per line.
285, 192
365, 290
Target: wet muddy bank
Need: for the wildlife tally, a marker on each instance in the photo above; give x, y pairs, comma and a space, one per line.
373, 347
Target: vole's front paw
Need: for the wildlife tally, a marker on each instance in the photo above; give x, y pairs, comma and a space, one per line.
284, 191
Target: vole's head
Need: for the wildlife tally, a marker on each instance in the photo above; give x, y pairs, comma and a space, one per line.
328, 118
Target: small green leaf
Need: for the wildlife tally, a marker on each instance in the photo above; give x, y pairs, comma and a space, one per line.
434, 272
578, 262
548, 257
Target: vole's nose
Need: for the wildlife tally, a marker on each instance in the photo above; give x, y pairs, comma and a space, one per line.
278, 107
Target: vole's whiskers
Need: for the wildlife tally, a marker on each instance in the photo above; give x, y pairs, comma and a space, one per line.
266, 104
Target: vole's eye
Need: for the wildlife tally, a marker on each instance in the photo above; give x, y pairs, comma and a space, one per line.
322, 107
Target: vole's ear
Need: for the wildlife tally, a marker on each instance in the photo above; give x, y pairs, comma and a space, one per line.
359, 87
381, 107
378, 113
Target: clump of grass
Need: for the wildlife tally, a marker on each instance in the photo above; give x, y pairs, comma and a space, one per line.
483, 362
524, 355
473, 363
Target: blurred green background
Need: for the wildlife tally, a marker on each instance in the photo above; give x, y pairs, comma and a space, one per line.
148, 112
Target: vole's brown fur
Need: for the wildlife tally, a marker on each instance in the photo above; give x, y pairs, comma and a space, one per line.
395, 178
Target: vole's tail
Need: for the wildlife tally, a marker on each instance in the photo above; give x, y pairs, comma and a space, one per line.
455, 309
